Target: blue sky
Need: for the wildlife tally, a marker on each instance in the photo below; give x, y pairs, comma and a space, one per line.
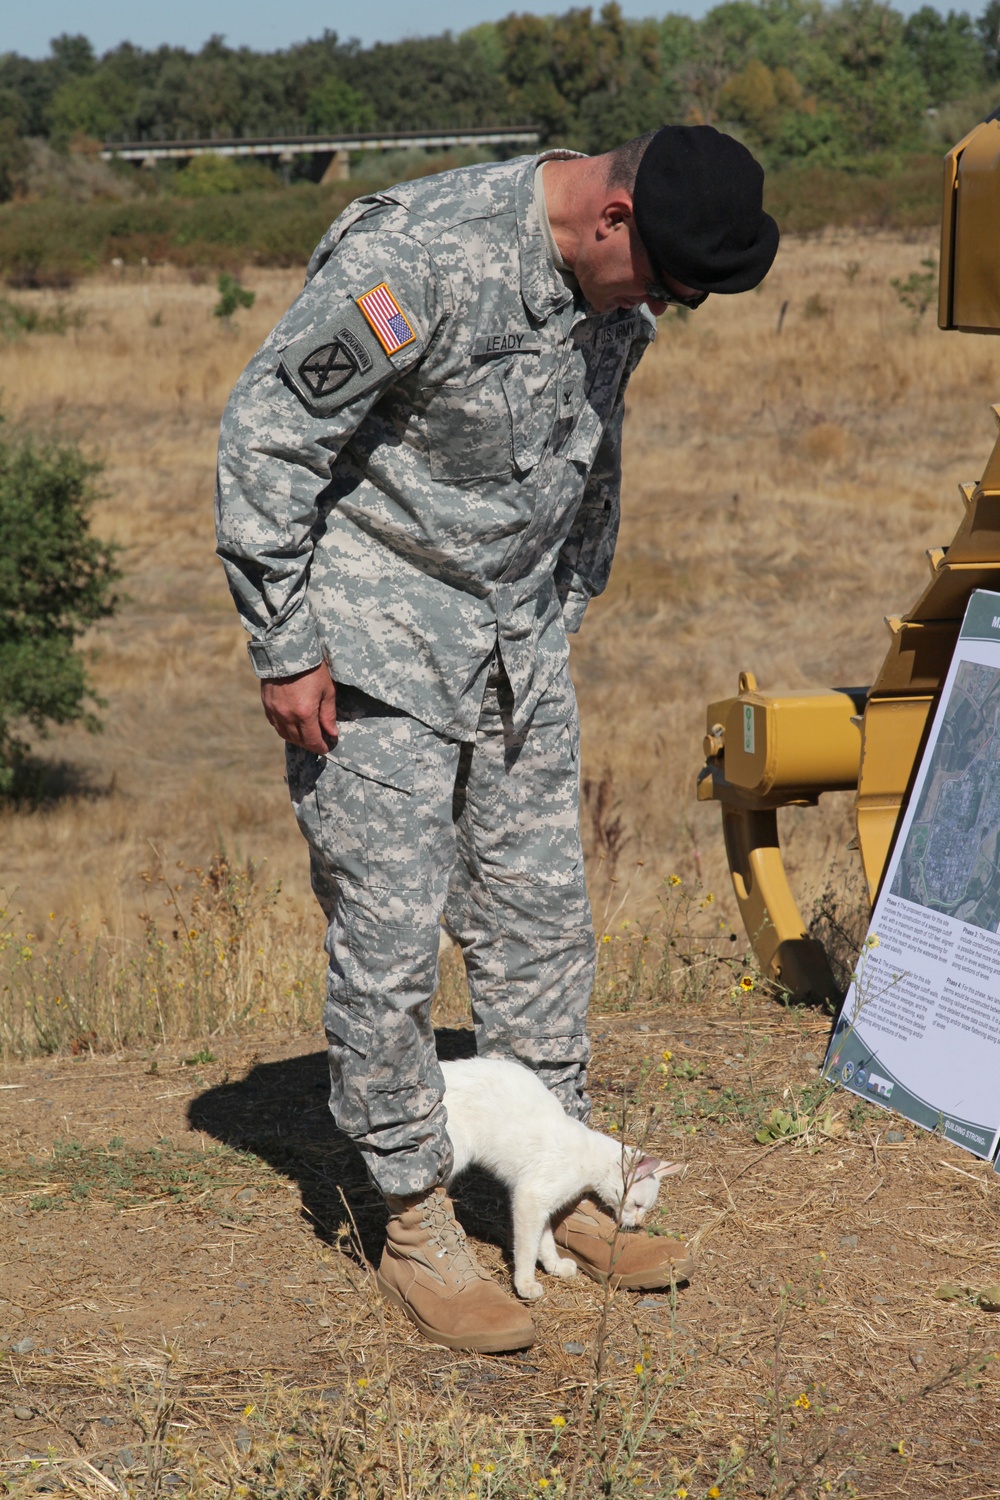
27, 28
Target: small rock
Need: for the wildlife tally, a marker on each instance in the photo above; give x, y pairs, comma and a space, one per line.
243, 1439
849, 1242
574, 1348
125, 1458
989, 1298
881, 1300
246, 1195
331, 1394
949, 1293
323, 1323
23, 1413
653, 1302
642, 1026
895, 1138
24, 1346
917, 1357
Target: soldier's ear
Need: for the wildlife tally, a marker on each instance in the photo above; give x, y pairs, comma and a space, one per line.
616, 213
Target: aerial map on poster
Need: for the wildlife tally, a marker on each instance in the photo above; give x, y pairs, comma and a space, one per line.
950, 863
919, 1031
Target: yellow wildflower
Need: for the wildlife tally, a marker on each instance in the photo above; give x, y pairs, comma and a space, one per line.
747, 983
674, 880
606, 938
640, 1369
667, 1056
248, 1411
714, 1492
802, 1401
362, 1383
557, 1421
476, 1469
682, 1493
543, 1484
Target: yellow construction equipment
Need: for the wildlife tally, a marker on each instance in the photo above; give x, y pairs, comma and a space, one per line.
764, 751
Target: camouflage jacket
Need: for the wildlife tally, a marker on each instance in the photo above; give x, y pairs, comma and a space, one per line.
422, 462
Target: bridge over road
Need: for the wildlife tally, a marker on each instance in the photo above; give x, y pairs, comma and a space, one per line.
331, 153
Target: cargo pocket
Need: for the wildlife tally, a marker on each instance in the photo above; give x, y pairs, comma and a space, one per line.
364, 798
347, 1043
469, 430
384, 1075
405, 1083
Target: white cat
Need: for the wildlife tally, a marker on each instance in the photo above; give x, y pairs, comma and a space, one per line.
502, 1117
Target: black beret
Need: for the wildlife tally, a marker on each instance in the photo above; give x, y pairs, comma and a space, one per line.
698, 204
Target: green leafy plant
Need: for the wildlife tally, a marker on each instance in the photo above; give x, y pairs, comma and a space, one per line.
14, 160
231, 296
56, 579
919, 289
17, 319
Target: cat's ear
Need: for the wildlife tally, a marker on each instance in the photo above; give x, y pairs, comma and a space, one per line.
653, 1166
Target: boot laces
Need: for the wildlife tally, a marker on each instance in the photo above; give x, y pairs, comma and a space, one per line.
448, 1236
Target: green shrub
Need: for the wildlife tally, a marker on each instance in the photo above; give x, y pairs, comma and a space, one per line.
55, 580
17, 319
14, 158
231, 296
919, 289
210, 175
883, 195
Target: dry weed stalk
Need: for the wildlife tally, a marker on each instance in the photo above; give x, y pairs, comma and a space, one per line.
221, 956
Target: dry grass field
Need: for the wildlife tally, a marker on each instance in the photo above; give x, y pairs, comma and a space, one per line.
185, 1306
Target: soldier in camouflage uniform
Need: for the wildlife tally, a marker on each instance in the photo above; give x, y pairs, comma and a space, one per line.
418, 493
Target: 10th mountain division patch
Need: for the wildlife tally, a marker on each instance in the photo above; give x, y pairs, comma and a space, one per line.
332, 365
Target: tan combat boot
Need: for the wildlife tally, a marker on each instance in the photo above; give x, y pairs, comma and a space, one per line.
632, 1259
431, 1275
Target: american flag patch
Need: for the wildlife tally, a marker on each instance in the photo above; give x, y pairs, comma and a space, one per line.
386, 318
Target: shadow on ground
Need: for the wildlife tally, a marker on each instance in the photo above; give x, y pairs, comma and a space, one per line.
278, 1112
37, 783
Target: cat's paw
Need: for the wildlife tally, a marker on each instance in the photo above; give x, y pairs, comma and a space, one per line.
564, 1267
529, 1291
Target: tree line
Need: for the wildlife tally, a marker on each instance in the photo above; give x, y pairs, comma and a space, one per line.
798, 80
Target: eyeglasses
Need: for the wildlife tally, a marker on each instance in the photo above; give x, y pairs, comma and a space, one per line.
657, 293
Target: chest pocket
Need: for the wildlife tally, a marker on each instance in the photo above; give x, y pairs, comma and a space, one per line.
600, 390
470, 433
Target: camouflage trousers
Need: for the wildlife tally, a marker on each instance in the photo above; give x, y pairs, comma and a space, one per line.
406, 826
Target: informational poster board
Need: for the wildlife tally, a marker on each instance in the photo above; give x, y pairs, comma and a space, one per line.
919, 1031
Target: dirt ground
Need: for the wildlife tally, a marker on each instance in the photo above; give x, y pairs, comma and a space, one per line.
171, 1225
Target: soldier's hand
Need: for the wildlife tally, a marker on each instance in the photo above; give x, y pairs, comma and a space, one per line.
303, 708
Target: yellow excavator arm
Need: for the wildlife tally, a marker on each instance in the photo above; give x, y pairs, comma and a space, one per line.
764, 751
